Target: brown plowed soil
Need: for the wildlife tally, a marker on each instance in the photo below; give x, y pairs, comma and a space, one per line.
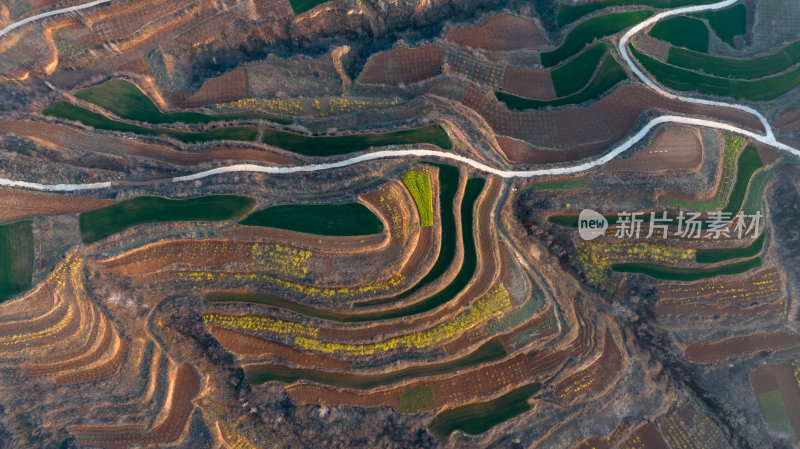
92, 354
645, 436
596, 376
673, 148
250, 347
102, 370
18, 204
222, 89
767, 378
734, 346
602, 123
323, 243
529, 83
500, 33
402, 65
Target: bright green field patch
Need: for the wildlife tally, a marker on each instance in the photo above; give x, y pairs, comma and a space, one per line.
415, 399
772, 406
101, 223
301, 6
419, 184
490, 351
686, 80
684, 32
722, 254
482, 416
580, 182
737, 68
309, 146
609, 75
686, 274
749, 163
569, 13
727, 23
128, 102
16, 258
323, 219
575, 74
586, 32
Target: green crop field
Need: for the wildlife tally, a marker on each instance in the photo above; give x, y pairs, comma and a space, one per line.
573, 76
101, 223
609, 75
727, 23
309, 146
684, 32
722, 254
16, 258
323, 219
301, 6
482, 416
128, 102
586, 32
686, 274
685, 80
772, 407
569, 13
490, 351
749, 163
737, 68
419, 184
580, 182
415, 399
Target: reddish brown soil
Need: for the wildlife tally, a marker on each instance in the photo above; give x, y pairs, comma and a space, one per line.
102, 370
673, 148
645, 436
528, 83
729, 294
17, 204
252, 347
602, 123
224, 88
138, 66
318, 242
186, 386
43, 3
788, 121
500, 33
767, 378
91, 354
596, 376
403, 65
767, 153
735, 346
81, 343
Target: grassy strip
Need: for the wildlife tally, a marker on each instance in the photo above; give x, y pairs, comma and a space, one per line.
590, 30
749, 163
722, 254
16, 258
733, 147
727, 23
479, 417
448, 187
101, 223
575, 74
490, 351
683, 31
686, 274
569, 13
772, 407
580, 182
301, 6
338, 220
609, 75
297, 143
419, 185
128, 102
685, 80
737, 68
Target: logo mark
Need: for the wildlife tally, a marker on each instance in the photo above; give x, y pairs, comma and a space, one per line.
591, 224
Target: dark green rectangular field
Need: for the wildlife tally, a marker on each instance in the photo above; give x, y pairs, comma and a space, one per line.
16, 258
101, 223
323, 219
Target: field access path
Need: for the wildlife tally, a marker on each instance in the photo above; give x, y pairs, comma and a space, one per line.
768, 138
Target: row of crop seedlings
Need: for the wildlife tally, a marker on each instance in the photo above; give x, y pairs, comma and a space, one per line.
482, 72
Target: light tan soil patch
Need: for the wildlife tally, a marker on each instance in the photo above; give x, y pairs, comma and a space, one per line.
673, 148
222, 89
